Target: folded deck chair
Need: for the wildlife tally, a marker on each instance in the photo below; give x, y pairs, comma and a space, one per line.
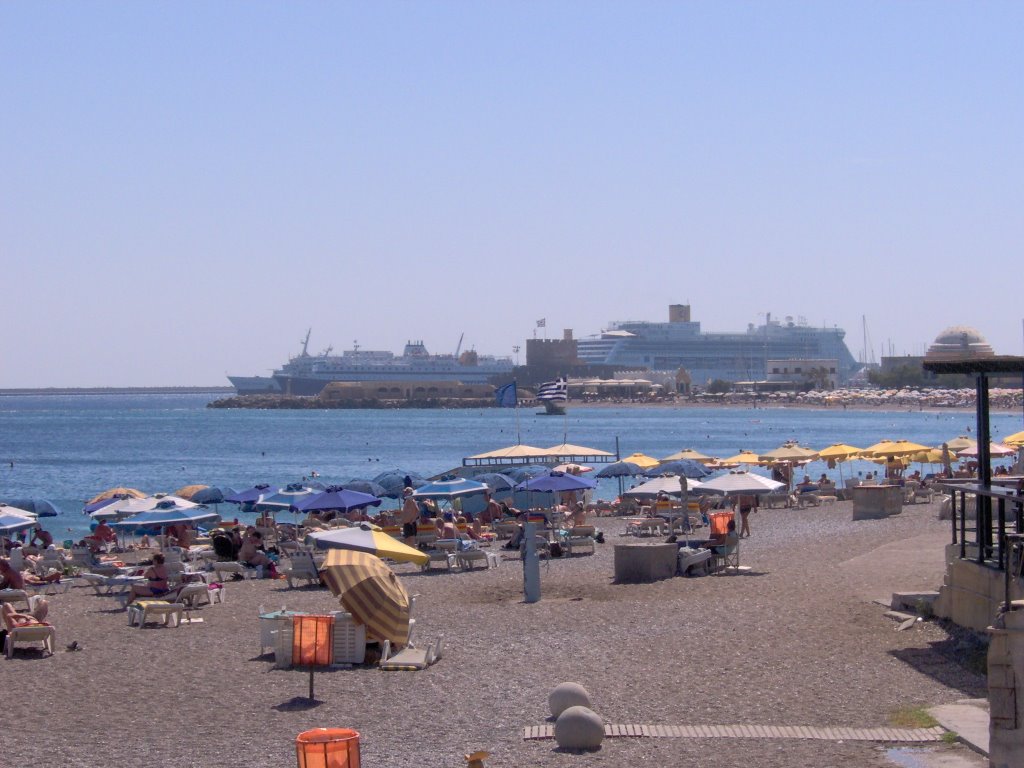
410, 659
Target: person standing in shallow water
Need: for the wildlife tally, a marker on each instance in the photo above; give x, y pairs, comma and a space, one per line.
746, 504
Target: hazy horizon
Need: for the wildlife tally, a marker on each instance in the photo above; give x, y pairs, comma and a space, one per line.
187, 188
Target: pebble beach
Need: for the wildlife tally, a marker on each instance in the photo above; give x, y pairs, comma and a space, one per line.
796, 640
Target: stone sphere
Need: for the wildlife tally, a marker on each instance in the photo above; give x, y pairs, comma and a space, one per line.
579, 728
567, 695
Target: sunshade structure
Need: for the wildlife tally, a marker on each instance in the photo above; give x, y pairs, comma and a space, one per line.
642, 460
620, 469
496, 481
931, 456
736, 483
511, 454
1016, 439
91, 507
284, 498
686, 467
189, 490
789, 453
556, 482
365, 539
119, 492
335, 497
960, 442
394, 481
525, 472
249, 495
13, 520
367, 486
743, 457
688, 454
570, 452
894, 448
450, 488
995, 450
668, 485
371, 592
161, 517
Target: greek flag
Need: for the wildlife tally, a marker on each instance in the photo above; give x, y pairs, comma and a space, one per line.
553, 390
505, 396
542, 323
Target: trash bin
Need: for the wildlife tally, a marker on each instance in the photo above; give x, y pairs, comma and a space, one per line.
328, 748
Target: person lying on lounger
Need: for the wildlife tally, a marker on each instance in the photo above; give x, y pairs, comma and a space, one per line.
13, 619
11, 578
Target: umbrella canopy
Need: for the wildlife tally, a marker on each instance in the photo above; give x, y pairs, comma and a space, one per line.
364, 538
839, 452
995, 451
366, 486
450, 488
122, 508
669, 485
556, 482
573, 469
1016, 439
335, 497
169, 514
688, 454
736, 483
789, 452
38, 507
513, 452
894, 448
496, 481
525, 473
642, 460
743, 457
211, 495
620, 469
88, 509
13, 520
119, 492
371, 592
189, 491
568, 449
686, 467
249, 495
931, 456
284, 498
393, 481
960, 442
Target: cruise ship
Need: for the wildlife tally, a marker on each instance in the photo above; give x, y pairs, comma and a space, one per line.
706, 356
308, 374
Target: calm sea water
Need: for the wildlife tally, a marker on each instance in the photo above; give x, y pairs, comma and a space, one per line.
66, 449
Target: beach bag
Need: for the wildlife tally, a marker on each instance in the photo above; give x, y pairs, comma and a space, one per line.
555, 549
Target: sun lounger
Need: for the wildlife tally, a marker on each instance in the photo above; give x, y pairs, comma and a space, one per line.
14, 596
411, 659
34, 633
236, 568
141, 611
302, 566
576, 545
466, 560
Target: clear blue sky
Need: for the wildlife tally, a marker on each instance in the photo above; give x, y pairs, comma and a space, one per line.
185, 188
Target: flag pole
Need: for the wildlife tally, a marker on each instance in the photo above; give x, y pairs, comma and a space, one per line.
519, 437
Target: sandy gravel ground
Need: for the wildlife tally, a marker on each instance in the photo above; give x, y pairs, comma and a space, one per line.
794, 642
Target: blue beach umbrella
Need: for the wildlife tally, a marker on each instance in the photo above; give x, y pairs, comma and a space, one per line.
526, 472
167, 513
335, 497
393, 481
556, 482
249, 495
284, 498
212, 495
686, 467
496, 481
13, 520
620, 469
39, 507
366, 486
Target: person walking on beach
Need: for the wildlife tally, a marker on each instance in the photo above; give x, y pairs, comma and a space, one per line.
747, 504
408, 516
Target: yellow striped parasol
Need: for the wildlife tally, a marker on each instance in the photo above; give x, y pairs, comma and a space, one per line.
119, 492
1016, 439
371, 592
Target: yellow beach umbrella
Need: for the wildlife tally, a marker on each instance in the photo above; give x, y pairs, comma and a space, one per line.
931, 456
790, 453
960, 443
1016, 439
642, 460
371, 592
119, 492
743, 457
839, 452
691, 455
893, 448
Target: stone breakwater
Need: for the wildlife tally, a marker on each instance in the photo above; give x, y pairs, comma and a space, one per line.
292, 402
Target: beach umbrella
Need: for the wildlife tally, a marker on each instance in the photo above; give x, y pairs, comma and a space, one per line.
995, 451
669, 485
367, 486
119, 492
13, 520
894, 448
556, 482
38, 507
248, 496
335, 497
450, 488
790, 453
688, 454
518, 474
736, 483
642, 460
568, 450
189, 490
496, 481
284, 498
90, 508
371, 592
1016, 439
931, 456
122, 508
573, 469
212, 495
839, 452
620, 469
743, 457
961, 442
168, 513
394, 481
680, 467
364, 538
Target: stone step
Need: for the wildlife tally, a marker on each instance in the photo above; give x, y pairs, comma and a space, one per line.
835, 733
908, 601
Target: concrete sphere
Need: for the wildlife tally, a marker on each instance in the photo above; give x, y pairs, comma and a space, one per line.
567, 695
579, 728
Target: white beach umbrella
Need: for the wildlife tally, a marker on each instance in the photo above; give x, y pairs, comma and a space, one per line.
736, 483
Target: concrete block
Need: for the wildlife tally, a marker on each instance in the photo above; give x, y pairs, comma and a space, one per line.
642, 563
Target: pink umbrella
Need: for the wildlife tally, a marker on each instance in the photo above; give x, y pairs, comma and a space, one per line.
995, 450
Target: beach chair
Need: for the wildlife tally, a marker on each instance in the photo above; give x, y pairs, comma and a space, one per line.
438, 557
724, 558
142, 611
410, 659
348, 640
578, 544
14, 596
34, 633
468, 558
301, 566
236, 568
426, 534
505, 530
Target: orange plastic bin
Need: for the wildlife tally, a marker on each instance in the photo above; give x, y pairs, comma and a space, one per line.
720, 522
328, 748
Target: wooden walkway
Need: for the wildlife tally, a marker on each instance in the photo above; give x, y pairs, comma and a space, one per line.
895, 735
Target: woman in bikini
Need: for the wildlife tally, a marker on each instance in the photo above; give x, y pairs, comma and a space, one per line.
156, 581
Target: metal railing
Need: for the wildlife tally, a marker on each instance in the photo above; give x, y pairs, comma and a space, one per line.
999, 512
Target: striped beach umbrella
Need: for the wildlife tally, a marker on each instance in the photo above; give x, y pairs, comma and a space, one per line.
117, 493
1016, 439
365, 538
371, 592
